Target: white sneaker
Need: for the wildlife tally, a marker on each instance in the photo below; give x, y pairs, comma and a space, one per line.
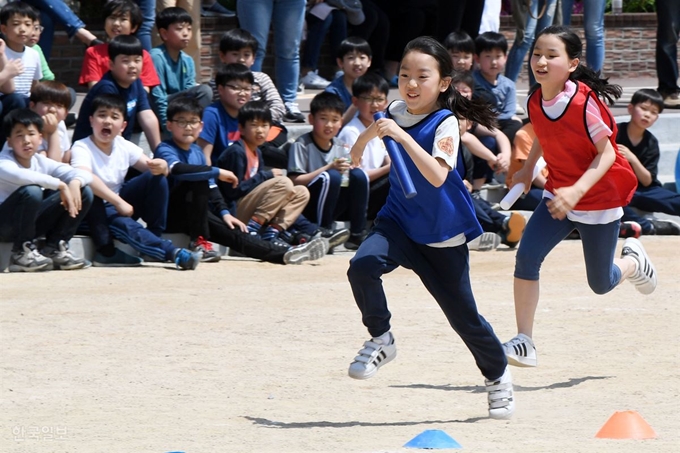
485, 242
293, 113
373, 355
521, 351
313, 81
501, 398
63, 259
309, 251
28, 259
644, 277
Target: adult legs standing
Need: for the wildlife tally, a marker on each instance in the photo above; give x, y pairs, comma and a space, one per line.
667, 32
287, 18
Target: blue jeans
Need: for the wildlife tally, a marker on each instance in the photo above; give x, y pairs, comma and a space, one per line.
148, 8
25, 215
336, 22
543, 233
524, 37
287, 17
667, 32
51, 11
445, 272
593, 22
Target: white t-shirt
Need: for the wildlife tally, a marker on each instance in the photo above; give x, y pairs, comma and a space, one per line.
110, 168
42, 171
374, 153
446, 137
30, 58
64, 140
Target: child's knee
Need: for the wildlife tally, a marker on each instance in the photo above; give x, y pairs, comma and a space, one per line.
358, 177
301, 193
527, 265
334, 177
363, 267
32, 194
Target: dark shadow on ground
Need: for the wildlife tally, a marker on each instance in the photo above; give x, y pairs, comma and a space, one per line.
572, 382
327, 424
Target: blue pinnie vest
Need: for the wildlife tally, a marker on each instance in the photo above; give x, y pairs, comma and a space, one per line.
436, 214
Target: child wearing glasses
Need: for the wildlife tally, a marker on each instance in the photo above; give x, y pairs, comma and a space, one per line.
234, 83
369, 95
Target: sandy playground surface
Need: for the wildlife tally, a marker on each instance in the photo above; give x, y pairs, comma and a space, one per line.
243, 356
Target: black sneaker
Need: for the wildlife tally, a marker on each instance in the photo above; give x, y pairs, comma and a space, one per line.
354, 241
293, 113
663, 227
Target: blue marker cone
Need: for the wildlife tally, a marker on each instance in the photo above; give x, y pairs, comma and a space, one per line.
432, 439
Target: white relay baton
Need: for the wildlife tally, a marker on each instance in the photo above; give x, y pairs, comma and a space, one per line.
518, 189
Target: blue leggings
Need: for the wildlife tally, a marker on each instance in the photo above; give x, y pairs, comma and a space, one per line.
543, 233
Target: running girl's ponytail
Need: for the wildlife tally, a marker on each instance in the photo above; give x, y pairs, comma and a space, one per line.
475, 110
574, 48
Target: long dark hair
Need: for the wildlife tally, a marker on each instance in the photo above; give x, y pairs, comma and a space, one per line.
574, 48
475, 110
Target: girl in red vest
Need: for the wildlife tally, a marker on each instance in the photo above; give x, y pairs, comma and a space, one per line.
589, 183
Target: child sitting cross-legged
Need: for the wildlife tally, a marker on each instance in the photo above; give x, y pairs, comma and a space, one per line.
27, 213
196, 206
109, 156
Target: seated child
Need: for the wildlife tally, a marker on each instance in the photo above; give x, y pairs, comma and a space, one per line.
491, 50
318, 160
196, 206
239, 46
108, 156
26, 212
369, 95
122, 80
524, 140
175, 68
641, 148
121, 18
461, 47
354, 59
498, 228
220, 127
264, 197
490, 147
16, 24
32, 42
50, 100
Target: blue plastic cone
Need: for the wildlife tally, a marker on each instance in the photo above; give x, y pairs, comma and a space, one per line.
432, 439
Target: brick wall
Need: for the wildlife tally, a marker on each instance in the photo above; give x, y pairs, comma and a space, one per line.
629, 48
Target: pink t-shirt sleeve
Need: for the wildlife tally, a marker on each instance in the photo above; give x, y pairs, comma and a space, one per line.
596, 125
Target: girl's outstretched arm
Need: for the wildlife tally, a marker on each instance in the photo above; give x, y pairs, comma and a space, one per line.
433, 169
567, 197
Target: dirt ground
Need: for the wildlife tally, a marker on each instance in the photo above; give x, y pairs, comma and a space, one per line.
243, 356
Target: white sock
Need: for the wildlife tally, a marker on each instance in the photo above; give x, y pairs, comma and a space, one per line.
384, 338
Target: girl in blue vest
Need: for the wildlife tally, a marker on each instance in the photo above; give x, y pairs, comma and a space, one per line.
427, 233
589, 181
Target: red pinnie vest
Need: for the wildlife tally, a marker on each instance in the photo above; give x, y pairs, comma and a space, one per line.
568, 151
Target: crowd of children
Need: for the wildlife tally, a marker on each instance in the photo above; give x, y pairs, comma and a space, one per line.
219, 169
